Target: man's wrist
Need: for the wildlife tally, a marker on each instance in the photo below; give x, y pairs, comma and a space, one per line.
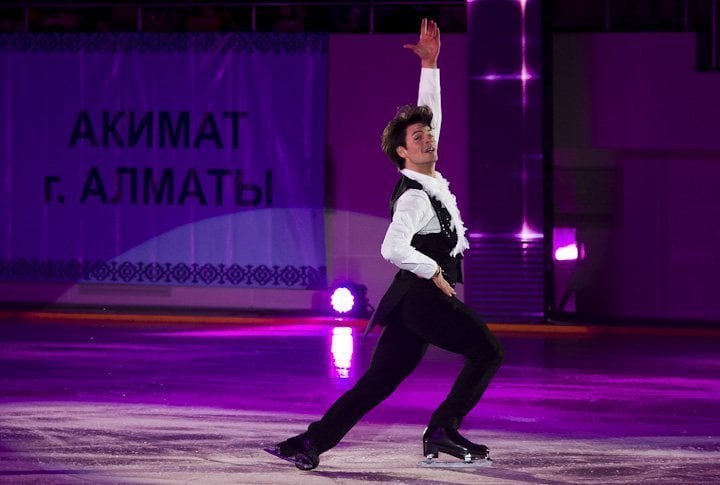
437, 273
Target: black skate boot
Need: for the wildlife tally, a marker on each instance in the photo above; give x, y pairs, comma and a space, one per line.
448, 440
299, 450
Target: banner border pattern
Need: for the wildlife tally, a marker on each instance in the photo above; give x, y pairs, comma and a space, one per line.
145, 42
194, 274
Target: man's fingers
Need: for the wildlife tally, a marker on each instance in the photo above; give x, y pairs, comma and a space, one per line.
424, 26
448, 290
413, 48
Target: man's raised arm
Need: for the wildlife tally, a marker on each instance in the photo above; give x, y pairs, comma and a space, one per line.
428, 50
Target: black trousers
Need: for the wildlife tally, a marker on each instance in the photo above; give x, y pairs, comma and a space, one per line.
424, 316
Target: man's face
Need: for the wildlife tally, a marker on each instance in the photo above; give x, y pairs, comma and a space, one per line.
419, 152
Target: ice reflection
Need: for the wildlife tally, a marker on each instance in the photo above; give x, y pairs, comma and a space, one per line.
342, 351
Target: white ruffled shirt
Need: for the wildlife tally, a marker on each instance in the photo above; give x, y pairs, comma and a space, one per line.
414, 213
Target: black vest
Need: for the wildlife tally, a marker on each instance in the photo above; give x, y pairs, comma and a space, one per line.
436, 245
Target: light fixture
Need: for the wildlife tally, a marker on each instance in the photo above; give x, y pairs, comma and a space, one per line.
566, 246
349, 300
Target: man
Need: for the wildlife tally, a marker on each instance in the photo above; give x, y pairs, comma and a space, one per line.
425, 239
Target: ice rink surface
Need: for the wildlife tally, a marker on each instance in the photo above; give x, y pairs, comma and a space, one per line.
149, 403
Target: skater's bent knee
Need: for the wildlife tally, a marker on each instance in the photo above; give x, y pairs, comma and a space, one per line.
498, 354
495, 355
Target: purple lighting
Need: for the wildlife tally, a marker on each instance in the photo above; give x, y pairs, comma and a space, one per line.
523, 76
566, 253
565, 245
528, 234
342, 300
504, 84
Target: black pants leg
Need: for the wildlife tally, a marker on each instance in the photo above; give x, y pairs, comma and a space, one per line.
397, 354
425, 316
449, 324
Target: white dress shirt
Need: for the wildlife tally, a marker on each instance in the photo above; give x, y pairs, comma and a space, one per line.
414, 213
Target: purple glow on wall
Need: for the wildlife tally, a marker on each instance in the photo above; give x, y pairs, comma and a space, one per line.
507, 212
514, 64
342, 351
524, 76
565, 245
563, 236
527, 233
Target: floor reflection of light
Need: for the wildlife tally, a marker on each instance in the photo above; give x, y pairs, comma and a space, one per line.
342, 350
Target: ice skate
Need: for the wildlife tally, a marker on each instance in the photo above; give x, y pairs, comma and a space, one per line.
449, 441
298, 450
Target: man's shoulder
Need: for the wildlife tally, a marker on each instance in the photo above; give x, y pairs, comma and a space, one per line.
407, 189
406, 183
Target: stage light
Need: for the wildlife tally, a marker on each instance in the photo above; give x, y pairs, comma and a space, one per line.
566, 253
350, 300
342, 300
566, 247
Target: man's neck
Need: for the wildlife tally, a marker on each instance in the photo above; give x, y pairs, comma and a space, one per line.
428, 170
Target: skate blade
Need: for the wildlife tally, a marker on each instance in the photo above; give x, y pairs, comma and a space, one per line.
431, 463
299, 464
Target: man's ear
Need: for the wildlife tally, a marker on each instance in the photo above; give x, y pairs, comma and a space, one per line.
402, 151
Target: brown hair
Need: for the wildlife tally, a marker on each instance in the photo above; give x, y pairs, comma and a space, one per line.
394, 133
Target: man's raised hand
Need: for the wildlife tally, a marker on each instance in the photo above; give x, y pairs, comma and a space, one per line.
428, 47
